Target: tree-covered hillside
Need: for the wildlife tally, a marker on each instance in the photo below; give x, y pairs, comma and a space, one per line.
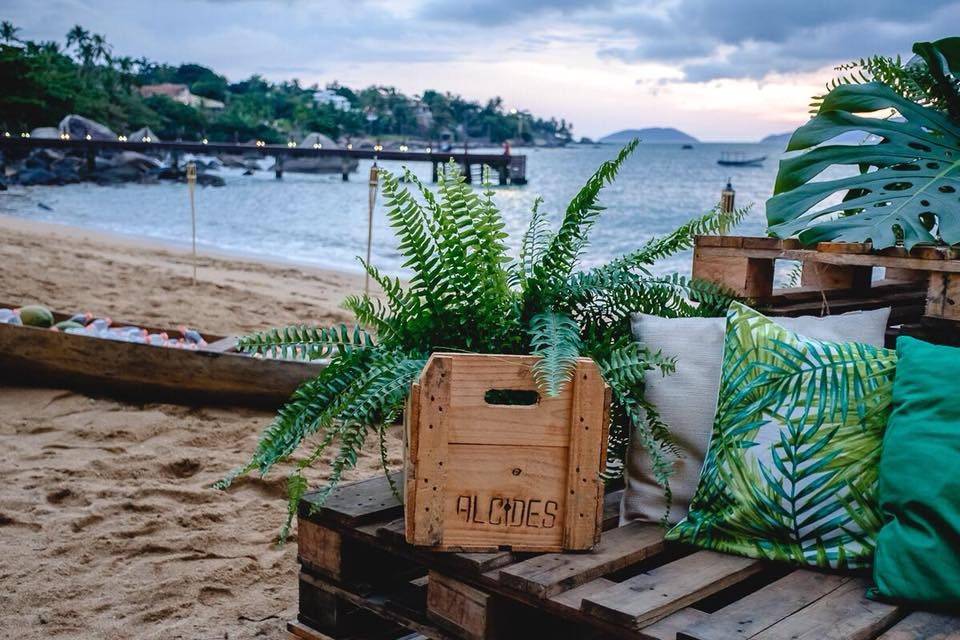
44, 81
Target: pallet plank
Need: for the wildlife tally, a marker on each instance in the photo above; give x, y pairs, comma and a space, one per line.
648, 597
549, 574
354, 504
673, 624
464, 610
573, 598
764, 608
926, 625
846, 614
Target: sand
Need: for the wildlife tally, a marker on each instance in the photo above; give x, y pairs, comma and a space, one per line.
108, 527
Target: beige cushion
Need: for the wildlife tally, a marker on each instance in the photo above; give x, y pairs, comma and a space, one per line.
687, 399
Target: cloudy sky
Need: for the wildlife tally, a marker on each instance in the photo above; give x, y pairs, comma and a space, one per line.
720, 70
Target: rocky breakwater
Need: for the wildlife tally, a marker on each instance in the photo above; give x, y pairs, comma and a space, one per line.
59, 167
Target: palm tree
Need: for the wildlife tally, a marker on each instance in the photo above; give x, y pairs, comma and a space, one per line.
77, 35
101, 49
8, 32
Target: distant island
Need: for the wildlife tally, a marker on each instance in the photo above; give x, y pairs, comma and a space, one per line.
778, 138
650, 135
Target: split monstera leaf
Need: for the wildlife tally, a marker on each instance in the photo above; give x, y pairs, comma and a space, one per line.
907, 190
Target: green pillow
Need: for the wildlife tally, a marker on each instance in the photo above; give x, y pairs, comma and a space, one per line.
918, 547
791, 471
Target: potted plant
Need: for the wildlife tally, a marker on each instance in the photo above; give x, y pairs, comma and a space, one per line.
466, 294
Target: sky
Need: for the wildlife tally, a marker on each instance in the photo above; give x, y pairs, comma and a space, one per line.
730, 70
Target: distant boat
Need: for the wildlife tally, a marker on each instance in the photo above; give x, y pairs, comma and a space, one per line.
687, 146
733, 159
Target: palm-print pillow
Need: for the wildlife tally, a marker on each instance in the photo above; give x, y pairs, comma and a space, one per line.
791, 471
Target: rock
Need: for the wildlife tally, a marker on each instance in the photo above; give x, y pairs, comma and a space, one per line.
49, 155
80, 127
234, 162
45, 133
210, 180
137, 160
142, 135
116, 175
318, 165
315, 138
31, 177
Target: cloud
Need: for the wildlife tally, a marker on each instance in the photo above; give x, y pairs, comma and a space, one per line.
754, 38
500, 12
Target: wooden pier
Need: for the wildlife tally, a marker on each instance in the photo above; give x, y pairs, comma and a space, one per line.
509, 169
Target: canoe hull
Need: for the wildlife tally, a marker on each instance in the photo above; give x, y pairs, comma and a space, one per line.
31, 356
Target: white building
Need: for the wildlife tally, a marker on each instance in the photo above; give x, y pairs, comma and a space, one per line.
328, 96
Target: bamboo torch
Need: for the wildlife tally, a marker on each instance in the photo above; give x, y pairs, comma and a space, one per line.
372, 199
191, 186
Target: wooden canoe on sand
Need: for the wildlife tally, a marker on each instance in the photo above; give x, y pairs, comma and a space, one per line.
213, 374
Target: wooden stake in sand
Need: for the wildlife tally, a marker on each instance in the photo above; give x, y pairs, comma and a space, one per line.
191, 185
372, 202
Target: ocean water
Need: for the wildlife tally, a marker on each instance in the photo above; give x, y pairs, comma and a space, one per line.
322, 221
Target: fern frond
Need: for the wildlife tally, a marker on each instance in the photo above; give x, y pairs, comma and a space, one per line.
533, 245
714, 222
557, 262
554, 337
302, 342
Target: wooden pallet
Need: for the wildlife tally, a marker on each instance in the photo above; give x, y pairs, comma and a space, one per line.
922, 286
356, 564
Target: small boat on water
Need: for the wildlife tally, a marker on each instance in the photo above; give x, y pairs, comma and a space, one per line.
738, 159
212, 373
687, 146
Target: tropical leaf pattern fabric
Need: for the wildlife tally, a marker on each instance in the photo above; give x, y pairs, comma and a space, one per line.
791, 471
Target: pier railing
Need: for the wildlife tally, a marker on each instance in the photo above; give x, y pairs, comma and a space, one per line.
509, 169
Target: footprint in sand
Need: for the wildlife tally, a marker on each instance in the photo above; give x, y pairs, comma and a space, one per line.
183, 468
67, 497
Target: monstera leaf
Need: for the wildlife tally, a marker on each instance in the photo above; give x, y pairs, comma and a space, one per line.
908, 187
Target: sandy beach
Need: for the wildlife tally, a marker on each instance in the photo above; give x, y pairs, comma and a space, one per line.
108, 528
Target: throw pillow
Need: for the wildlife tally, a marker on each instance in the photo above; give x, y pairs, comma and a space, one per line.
687, 399
918, 547
791, 471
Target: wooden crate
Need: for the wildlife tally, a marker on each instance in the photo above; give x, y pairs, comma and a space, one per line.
483, 476
633, 584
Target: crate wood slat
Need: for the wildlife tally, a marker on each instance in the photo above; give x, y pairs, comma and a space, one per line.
487, 477
648, 597
762, 609
551, 573
922, 624
583, 521
846, 615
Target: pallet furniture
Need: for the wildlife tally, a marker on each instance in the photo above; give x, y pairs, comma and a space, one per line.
491, 464
360, 579
213, 374
922, 286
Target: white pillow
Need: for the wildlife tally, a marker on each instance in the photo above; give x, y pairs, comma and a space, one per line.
687, 399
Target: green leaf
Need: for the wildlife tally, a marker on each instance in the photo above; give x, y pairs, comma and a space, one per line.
911, 194
555, 338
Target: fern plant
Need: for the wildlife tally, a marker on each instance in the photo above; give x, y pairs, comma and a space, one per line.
466, 294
